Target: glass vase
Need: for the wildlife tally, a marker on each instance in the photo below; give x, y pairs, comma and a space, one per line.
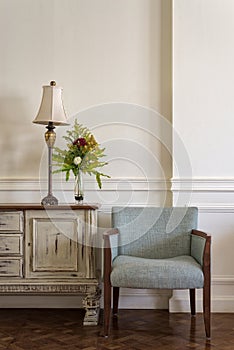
79, 187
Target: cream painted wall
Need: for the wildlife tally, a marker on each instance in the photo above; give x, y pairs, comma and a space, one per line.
203, 84
99, 51
203, 110
113, 60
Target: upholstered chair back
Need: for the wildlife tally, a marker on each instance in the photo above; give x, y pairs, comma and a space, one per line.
152, 232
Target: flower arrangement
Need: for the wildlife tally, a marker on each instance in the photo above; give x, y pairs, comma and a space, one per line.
83, 153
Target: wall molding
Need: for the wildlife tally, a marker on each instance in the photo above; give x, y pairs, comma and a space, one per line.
143, 298
113, 184
203, 184
198, 189
39, 301
210, 195
122, 183
220, 303
210, 208
223, 280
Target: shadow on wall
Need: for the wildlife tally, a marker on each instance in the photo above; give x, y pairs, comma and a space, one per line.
20, 154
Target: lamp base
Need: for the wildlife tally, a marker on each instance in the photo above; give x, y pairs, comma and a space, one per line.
49, 200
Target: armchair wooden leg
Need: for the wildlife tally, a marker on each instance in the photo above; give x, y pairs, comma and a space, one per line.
115, 301
206, 308
107, 308
192, 293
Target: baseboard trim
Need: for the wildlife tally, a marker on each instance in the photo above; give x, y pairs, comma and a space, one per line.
144, 299
218, 304
40, 302
155, 300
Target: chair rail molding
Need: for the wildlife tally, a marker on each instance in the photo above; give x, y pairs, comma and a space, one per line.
200, 184
137, 190
112, 184
123, 183
210, 195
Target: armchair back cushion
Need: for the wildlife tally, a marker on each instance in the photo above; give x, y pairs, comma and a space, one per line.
153, 232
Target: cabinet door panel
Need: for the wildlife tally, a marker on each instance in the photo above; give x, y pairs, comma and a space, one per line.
54, 245
59, 244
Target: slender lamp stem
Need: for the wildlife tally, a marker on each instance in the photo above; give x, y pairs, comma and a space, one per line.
50, 137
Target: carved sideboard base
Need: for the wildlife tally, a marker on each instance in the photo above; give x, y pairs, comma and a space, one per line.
91, 317
88, 288
91, 304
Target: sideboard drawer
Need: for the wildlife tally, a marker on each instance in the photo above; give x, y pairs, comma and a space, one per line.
11, 221
11, 244
11, 267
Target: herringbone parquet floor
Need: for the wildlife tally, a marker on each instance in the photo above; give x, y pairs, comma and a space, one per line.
43, 329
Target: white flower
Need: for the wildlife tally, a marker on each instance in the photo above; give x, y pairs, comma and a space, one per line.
77, 160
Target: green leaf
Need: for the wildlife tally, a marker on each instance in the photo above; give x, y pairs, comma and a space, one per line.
98, 178
67, 175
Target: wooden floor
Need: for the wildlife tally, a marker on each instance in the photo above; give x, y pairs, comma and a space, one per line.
136, 329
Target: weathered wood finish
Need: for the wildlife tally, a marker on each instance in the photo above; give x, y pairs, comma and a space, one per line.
11, 267
11, 244
58, 256
52, 246
11, 221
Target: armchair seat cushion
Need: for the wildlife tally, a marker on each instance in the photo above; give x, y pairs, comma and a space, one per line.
181, 272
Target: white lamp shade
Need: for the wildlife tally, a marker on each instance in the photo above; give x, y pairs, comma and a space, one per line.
51, 108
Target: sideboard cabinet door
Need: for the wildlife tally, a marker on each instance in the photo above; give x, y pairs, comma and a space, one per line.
56, 244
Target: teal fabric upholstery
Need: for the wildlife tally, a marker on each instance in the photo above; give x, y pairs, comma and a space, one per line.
197, 248
153, 249
154, 233
174, 273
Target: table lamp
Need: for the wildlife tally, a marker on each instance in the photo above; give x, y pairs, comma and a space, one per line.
51, 113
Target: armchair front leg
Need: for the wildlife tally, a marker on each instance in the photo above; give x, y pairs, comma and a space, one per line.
207, 281
107, 282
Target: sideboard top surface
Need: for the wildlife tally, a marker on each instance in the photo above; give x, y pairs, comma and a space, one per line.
35, 206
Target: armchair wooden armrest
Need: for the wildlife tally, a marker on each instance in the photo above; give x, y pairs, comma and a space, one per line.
106, 236
107, 249
201, 234
111, 232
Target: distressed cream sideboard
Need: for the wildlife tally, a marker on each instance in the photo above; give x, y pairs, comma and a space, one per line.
50, 250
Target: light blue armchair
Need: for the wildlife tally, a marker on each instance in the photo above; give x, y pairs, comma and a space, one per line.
156, 248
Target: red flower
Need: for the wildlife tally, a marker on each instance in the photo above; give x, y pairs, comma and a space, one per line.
80, 142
